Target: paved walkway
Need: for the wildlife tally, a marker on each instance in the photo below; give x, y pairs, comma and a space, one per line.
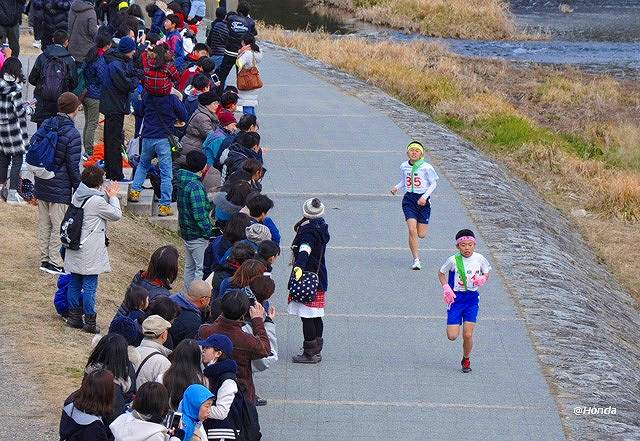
388, 371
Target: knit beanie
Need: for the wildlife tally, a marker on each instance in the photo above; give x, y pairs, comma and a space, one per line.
196, 161
127, 328
313, 208
257, 233
226, 118
206, 98
68, 103
126, 45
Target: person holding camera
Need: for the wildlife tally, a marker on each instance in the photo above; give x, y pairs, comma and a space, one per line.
85, 264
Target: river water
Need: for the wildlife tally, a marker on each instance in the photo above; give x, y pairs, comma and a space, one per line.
599, 35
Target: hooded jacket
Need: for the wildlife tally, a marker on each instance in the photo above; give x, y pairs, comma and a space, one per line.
83, 27
314, 233
160, 115
46, 109
193, 207
11, 12
188, 321
67, 158
201, 123
129, 428
224, 207
91, 75
237, 155
92, 257
76, 425
238, 25
55, 15
222, 382
118, 79
155, 365
213, 255
155, 289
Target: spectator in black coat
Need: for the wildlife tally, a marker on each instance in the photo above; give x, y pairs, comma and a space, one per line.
84, 410
47, 107
246, 147
191, 306
54, 195
238, 24
55, 17
10, 18
118, 78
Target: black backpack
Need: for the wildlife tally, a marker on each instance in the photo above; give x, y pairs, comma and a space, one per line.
71, 226
54, 79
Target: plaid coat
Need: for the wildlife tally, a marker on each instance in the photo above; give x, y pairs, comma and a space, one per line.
193, 207
13, 118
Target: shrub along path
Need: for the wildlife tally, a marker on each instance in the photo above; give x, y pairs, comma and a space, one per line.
388, 370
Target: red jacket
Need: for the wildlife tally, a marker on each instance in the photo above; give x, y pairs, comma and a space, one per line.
159, 82
246, 347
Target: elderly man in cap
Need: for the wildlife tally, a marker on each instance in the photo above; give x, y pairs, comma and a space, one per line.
153, 354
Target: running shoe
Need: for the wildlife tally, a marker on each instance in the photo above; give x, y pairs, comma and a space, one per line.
50, 268
416, 265
165, 210
466, 365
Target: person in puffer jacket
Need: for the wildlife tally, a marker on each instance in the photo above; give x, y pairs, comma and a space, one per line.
238, 24
161, 272
54, 195
202, 122
247, 146
83, 28
55, 18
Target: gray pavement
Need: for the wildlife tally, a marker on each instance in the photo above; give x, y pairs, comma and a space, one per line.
388, 370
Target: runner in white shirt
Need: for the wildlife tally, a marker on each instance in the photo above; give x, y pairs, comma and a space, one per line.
418, 179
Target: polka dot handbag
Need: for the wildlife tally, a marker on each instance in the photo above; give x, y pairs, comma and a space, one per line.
305, 289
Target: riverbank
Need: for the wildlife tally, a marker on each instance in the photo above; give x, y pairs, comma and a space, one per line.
573, 136
472, 19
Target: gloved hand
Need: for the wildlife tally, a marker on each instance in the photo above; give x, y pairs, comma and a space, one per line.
448, 295
297, 272
479, 281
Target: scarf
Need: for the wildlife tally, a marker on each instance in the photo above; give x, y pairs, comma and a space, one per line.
192, 400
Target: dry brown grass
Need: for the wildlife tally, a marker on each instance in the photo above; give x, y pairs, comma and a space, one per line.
476, 19
55, 353
575, 137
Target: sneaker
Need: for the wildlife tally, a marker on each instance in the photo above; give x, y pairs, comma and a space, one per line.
50, 268
165, 210
466, 365
416, 265
13, 198
134, 195
36, 43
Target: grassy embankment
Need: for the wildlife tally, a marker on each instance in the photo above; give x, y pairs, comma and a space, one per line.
32, 331
476, 19
574, 137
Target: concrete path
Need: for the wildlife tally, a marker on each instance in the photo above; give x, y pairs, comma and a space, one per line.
388, 371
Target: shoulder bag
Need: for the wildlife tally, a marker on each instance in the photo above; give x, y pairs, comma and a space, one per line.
305, 289
249, 78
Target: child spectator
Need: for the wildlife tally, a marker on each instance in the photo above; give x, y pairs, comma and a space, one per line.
193, 215
161, 272
218, 36
160, 74
174, 39
252, 172
228, 102
185, 370
213, 144
246, 147
249, 56
220, 247
196, 408
136, 301
200, 50
259, 206
157, 17
256, 234
176, 8
199, 85
229, 203
92, 259
204, 65
243, 277
461, 276
263, 288
268, 252
230, 262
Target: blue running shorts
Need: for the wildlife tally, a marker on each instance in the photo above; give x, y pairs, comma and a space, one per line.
412, 210
464, 308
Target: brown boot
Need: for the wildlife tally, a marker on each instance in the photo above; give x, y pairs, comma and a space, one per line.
308, 356
319, 344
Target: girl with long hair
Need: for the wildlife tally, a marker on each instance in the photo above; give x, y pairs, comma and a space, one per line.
186, 369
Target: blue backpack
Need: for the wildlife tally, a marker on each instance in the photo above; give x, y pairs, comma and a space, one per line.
42, 148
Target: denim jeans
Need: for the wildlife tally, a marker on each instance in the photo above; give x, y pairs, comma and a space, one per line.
83, 287
193, 260
160, 147
248, 110
217, 61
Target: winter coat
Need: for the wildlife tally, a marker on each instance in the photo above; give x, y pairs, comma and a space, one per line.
56, 15
46, 109
314, 233
238, 25
167, 107
157, 22
237, 155
212, 145
83, 27
202, 122
118, 80
155, 288
92, 257
11, 12
213, 255
188, 321
13, 118
247, 60
67, 159
76, 425
193, 207
224, 207
174, 41
156, 365
129, 428
217, 37
222, 377
262, 364
91, 77
246, 347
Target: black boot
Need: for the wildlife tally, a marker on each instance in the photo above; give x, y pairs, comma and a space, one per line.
319, 345
308, 356
75, 318
90, 325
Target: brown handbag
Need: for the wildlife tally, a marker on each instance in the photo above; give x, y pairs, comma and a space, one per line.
249, 79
